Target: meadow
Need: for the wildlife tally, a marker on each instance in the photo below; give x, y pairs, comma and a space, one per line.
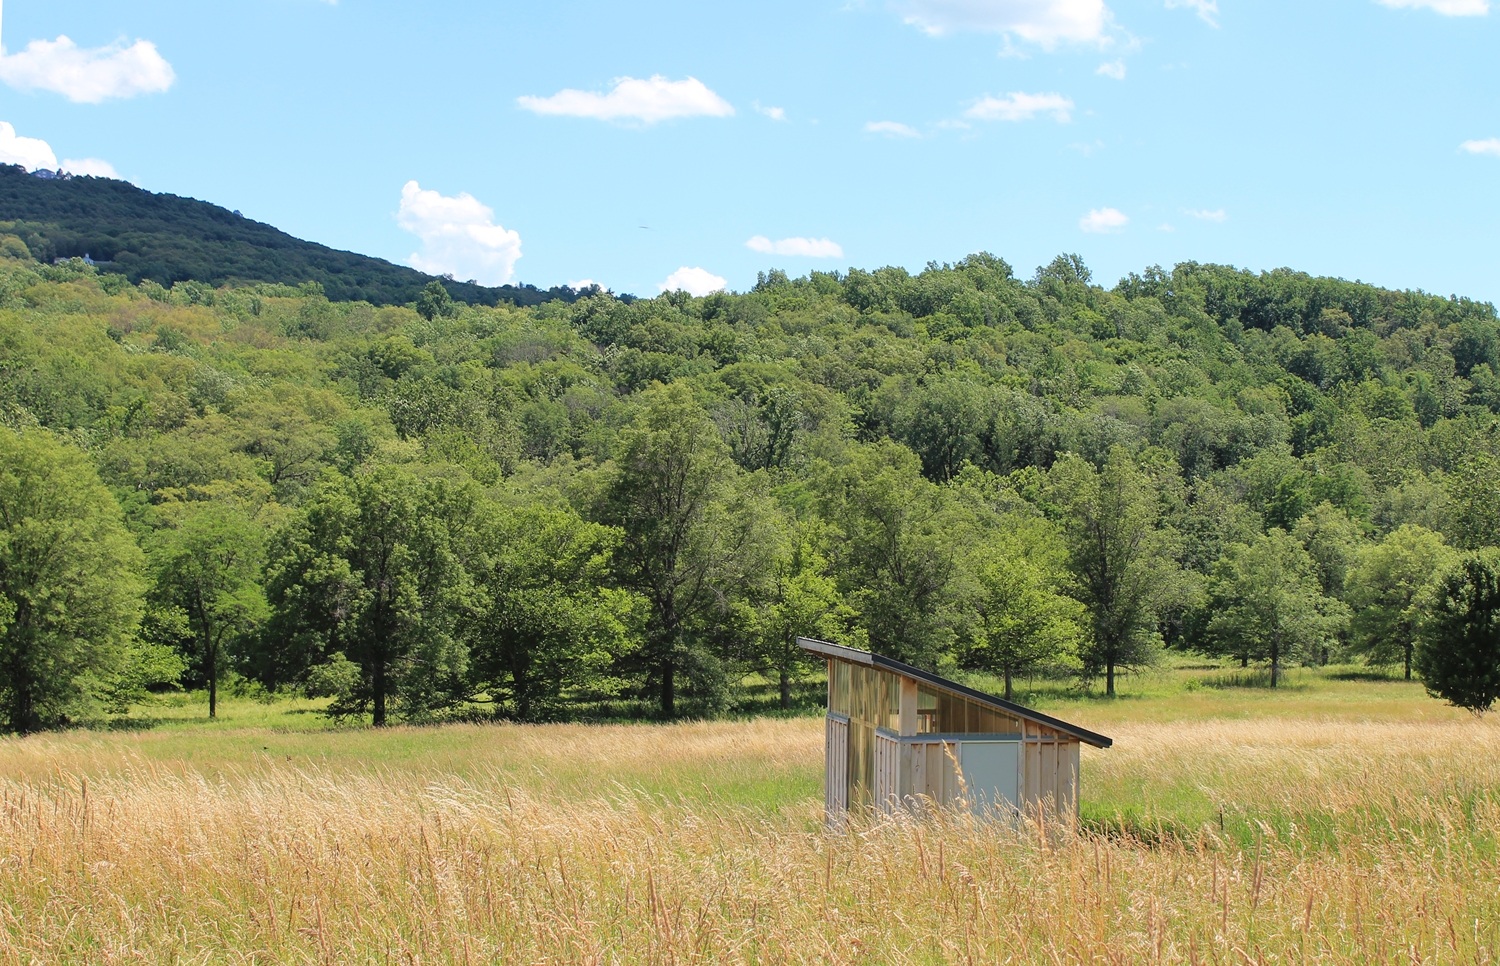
1345, 818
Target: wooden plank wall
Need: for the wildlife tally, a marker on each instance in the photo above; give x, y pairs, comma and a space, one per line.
928, 770
887, 772
836, 770
1049, 771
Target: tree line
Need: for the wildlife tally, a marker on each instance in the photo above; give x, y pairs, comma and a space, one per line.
445, 510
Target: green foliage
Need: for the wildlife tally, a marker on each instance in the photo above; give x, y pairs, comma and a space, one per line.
1022, 623
375, 568
1389, 589
799, 598
168, 239
1267, 605
601, 506
545, 623
1458, 654
693, 535
897, 551
70, 587
1118, 559
205, 565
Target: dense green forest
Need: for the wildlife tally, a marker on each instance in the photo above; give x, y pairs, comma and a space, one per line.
439, 509
168, 239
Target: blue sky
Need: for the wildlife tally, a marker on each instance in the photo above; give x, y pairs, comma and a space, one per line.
1328, 136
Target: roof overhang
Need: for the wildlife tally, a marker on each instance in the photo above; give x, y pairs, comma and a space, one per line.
854, 655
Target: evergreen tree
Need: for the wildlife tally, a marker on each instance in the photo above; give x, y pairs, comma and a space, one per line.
1458, 651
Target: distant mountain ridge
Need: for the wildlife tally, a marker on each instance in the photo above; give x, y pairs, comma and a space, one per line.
166, 238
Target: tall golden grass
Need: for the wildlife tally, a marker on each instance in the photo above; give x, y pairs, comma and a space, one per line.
1341, 843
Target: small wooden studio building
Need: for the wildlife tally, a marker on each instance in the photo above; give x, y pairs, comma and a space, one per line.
898, 736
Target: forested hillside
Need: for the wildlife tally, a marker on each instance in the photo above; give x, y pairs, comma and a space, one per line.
168, 239
439, 509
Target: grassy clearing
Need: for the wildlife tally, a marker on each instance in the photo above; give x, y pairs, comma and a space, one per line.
1339, 821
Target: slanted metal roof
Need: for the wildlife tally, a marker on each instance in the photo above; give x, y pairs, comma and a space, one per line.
870, 659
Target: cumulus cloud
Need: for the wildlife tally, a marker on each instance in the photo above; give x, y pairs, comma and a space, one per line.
1217, 215
1113, 68
1104, 221
796, 247
891, 129
29, 153
459, 236
646, 101
88, 76
1448, 8
93, 167
774, 113
1043, 22
1208, 10
1021, 107
697, 282
1487, 146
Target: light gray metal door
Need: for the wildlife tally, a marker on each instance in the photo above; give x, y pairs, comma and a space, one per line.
992, 771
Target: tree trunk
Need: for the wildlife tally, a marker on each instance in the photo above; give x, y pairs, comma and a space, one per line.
22, 703
1109, 678
1009, 691
1245, 659
668, 690
1408, 661
379, 695
1275, 659
786, 690
213, 675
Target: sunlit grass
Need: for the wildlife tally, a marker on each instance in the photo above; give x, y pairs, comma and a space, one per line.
1340, 821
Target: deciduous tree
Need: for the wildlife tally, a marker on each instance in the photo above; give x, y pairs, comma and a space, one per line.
1266, 602
1387, 588
70, 584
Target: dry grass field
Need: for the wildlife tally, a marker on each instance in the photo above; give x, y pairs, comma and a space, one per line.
1336, 822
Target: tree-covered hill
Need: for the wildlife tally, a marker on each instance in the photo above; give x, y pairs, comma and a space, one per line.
552, 510
169, 239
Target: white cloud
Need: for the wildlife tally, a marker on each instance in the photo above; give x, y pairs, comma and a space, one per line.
647, 101
1103, 221
891, 129
1448, 8
459, 236
1487, 146
1113, 68
88, 76
796, 247
774, 113
1043, 22
697, 282
29, 153
93, 167
1021, 107
1217, 215
1208, 10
